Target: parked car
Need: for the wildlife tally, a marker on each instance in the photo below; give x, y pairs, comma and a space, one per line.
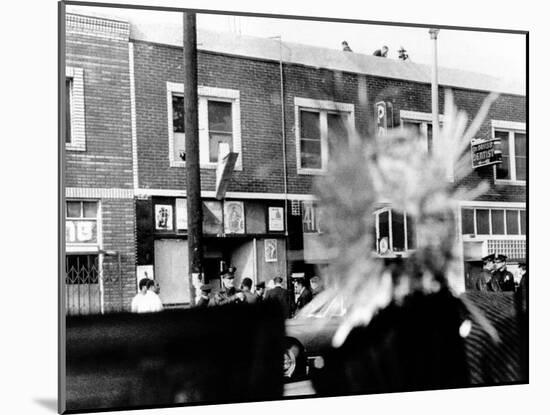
309, 335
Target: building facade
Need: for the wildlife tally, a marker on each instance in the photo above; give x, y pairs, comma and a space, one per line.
284, 109
98, 169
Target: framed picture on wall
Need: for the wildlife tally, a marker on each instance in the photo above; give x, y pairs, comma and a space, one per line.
276, 220
163, 218
233, 215
270, 248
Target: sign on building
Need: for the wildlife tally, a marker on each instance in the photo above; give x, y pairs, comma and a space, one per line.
276, 219
233, 217
485, 152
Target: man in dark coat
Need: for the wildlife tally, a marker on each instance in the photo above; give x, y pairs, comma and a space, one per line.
260, 291
304, 293
483, 281
505, 278
279, 294
246, 289
228, 294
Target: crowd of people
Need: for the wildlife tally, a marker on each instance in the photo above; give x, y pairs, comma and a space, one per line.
496, 277
147, 299
291, 301
382, 52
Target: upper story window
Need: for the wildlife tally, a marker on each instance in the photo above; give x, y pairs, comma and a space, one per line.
421, 124
219, 124
493, 221
320, 127
81, 224
74, 129
513, 144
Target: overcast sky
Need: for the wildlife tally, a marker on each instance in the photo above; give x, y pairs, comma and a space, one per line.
498, 54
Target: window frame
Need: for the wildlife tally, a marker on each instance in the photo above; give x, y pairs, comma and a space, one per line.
490, 235
76, 110
511, 127
323, 107
205, 94
391, 252
425, 118
85, 247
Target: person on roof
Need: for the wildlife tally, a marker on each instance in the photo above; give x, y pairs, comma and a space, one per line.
403, 55
381, 52
345, 47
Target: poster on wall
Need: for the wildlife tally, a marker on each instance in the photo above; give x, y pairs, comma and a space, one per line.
163, 217
270, 246
181, 214
212, 217
276, 219
233, 215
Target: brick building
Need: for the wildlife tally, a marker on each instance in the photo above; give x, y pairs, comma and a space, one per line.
267, 224
100, 224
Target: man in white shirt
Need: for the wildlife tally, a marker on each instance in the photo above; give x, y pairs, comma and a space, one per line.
146, 300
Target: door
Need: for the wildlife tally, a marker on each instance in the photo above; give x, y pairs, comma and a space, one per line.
171, 271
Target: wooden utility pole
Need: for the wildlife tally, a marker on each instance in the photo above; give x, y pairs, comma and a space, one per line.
194, 203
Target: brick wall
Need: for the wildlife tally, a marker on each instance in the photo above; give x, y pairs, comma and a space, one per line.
100, 48
258, 83
260, 117
118, 229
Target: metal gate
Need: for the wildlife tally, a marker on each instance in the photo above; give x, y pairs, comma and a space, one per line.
91, 288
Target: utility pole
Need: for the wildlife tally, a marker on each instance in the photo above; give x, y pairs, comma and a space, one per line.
435, 91
194, 203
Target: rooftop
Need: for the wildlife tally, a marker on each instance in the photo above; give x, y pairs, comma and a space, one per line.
317, 57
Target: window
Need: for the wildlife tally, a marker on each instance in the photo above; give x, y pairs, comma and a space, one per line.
321, 126
74, 129
394, 231
219, 124
421, 124
513, 144
68, 105
81, 223
493, 221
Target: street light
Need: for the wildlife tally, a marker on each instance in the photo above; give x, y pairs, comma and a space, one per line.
435, 92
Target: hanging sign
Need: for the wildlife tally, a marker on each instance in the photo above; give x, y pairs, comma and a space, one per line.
485, 152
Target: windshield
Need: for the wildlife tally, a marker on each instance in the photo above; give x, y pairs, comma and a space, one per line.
324, 308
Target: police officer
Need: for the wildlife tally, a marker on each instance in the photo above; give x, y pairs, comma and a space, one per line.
483, 281
228, 294
505, 278
204, 300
